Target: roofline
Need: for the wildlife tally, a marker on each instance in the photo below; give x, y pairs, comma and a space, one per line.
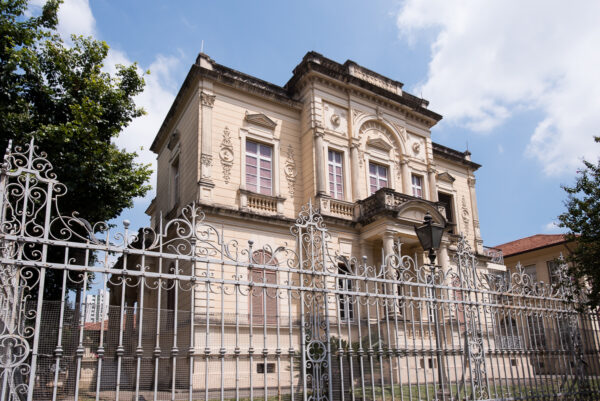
225, 76
454, 155
316, 62
205, 67
536, 248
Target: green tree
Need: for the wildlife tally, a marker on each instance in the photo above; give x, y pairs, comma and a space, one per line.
582, 219
60, 95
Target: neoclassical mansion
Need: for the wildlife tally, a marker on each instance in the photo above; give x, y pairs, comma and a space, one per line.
252, 153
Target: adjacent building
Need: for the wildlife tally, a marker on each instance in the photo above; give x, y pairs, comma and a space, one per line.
538, 255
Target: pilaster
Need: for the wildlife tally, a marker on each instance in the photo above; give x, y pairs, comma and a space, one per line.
320, 161
205, 183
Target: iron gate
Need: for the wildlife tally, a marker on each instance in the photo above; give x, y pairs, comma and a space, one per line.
179, 311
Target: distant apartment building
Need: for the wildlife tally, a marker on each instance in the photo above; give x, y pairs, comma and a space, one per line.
96, 307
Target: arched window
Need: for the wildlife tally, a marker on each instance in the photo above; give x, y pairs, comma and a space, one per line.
263, 302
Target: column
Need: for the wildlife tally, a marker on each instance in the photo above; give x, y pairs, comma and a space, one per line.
443, 258
475, 214
388, 243
433, 195
406, 180
388, 249
207, 102
320, 162
354, 156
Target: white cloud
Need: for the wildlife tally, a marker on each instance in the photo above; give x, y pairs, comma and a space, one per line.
490, 60
156, 99
552, 227
75, 16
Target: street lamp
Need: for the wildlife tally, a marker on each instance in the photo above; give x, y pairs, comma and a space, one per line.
430, 237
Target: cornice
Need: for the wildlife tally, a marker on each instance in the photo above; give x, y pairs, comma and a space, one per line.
315, 62
453, 155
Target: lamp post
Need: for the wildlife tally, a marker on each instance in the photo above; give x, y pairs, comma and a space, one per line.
430, 237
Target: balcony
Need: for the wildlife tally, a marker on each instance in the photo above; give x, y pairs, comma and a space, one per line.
388, 202
494, 254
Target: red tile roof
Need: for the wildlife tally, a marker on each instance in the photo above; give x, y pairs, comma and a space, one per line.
530, 243
95, 325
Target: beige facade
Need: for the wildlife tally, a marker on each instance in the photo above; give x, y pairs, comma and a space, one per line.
326, 110
537, 255
348, 140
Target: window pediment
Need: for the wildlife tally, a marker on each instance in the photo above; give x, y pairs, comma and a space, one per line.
445, 176
261, 120
379, 143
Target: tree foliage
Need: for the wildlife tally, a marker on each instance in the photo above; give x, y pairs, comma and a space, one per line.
582, 219
60, 95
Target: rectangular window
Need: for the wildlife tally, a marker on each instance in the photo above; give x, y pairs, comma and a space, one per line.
175, 180
417, 186
346, 304
553, 271
378, 177
446, 200
259, 168
336, 175
531, 271
260, 368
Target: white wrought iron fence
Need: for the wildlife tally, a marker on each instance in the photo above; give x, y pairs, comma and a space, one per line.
197, 316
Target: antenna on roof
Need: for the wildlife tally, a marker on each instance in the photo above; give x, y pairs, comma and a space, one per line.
467, 145
202, 46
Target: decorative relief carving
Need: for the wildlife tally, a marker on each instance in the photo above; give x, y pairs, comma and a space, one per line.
398, 164
379, 130
416, 147
379, 113
226, 155
290, 170
356, 114
335, 118
402, 131
465, 214
207, 99
206, 159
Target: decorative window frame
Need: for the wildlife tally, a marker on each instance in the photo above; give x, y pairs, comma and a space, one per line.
387, 163
424, 183
265, 138
346, 177
455, 209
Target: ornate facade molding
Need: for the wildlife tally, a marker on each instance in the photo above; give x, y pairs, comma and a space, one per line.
290, 170
465, 214
207, 99
319, 132
445, 176
260, 119
206, 159
226, 155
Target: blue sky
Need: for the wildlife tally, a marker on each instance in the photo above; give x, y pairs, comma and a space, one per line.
518, 82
